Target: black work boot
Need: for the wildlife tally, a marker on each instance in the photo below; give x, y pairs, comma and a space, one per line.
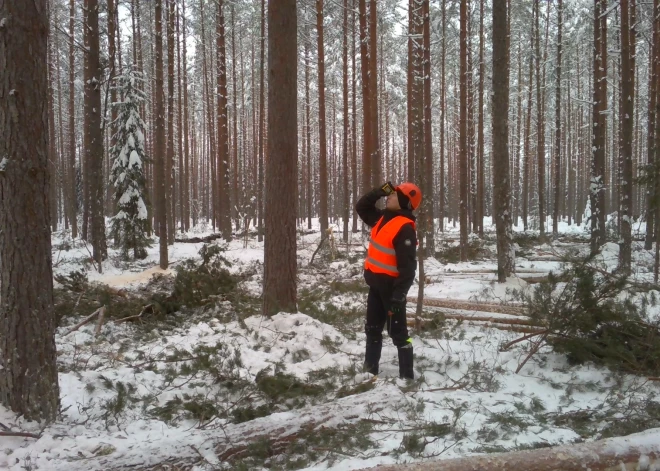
406, 362
372, 357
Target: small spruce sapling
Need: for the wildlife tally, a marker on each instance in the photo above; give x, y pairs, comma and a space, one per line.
130, 223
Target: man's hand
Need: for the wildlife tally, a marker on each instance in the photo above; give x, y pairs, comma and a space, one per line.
387, 188
397, 307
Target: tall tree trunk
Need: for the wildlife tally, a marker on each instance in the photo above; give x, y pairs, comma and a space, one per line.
308, 139
235, 197
428, 138
366, 96
94, 134
463, 157
52, 138
28, 369
540, 126
626, 115
280, 270
597, 186
346, 195
224, 205
442, 117
73, 194
557, 156
186, 149
262, 100
159, 142
323, 152
169, 165
654, 73
112, 29
375, 160
481, 167
502, 194
354, 117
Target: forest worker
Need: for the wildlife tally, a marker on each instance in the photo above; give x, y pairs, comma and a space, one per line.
389, 270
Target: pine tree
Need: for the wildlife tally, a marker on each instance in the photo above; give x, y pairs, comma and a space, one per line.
129, 226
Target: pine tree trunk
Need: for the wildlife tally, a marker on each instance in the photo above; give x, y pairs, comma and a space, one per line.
501, 178
428, 138
280, 270
540, 126
52, 140
94, 134
443, 105
323, 151
224, 205
557, 156
159, 142
169, 165
597, 188
481, 167
28, 369
374, 135
354, 117
112, 28
654, 73
235, 196
463, 145
345, 118
626, 115
262, 100
366, 96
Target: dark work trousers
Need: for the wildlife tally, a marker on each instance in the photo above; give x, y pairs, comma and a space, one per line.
378, 305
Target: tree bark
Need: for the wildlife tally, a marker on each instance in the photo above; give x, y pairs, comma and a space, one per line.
159, 141
626, 115
94, 133
280, 268
73, 194
463, 157
346, 194
502, 194
323, 151
557, 156
169, 164
597, 186
262, 100
28, 369
224, 204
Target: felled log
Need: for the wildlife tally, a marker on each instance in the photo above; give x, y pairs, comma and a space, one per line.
640, 451
470, 305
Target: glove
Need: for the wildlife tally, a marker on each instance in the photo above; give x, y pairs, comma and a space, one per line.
397, 307
387, 188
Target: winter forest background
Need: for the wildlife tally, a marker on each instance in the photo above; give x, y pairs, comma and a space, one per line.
228, 140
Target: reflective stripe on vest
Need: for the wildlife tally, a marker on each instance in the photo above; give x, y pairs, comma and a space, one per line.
381, 256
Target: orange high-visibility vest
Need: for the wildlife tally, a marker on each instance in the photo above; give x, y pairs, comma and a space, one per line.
381, 257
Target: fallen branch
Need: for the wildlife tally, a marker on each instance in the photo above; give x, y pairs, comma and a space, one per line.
534, 349
86, 320
508, 345
19, 434
325, 236
100, 323
450, 388
135, 317
197, 240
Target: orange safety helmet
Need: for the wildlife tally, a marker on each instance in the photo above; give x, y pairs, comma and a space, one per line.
411, 191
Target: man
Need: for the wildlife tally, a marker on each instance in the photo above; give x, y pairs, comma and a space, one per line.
389, 270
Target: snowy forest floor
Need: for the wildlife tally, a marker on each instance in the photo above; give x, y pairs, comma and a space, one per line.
217, 386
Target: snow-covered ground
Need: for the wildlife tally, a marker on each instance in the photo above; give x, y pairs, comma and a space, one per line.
136, 395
